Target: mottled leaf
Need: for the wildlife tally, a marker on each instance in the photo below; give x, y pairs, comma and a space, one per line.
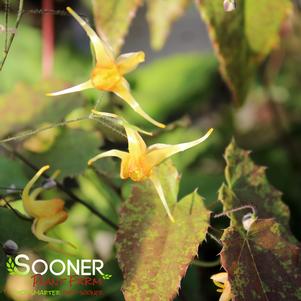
153, 252
262, 264
70, 152
242, 38
161, 14
113, 18
247, 184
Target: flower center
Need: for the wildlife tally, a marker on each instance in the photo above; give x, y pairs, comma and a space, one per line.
105, 77
137, 170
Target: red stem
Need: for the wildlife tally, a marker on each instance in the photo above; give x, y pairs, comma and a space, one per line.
48, 39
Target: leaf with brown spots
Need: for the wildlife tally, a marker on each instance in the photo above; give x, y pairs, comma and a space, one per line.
243, 38
161, 14
113, 18
263, 263
247, 184
153, 252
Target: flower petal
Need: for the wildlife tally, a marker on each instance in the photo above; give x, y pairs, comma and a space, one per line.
47, 208
220, 277
111, 153
41, 226
34, 194
160, 191
129, 61
123, 91
159, 152
103, 52
83, 86
136, 145
28, 202
226, 294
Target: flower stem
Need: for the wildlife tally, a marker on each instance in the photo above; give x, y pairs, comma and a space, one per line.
12, 36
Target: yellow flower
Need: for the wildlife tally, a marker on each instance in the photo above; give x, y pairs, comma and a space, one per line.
46, 213
108, 74
223, 284
138, 163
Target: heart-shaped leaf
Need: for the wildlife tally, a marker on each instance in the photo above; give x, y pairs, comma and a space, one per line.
153, 252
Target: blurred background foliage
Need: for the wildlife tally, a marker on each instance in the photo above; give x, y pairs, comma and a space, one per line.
181, 86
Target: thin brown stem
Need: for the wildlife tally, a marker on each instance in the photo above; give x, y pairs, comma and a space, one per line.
225, 213
16, 212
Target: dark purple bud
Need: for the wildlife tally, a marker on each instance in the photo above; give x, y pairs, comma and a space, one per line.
10, 247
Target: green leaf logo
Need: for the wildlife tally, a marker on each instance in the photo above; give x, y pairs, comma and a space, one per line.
106, 276
11, 266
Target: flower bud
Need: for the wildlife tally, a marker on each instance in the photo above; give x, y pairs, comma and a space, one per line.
10, 247
247, 220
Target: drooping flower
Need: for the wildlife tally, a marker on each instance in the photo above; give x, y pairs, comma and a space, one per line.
223, 284
138, 163
108, 74
46, 213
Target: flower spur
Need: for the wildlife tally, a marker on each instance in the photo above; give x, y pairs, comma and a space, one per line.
108, 74
223, 284
46, 213
138, 163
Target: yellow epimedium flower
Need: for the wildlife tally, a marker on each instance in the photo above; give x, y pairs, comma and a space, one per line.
46, 213
138, 163
108, 74
223, 284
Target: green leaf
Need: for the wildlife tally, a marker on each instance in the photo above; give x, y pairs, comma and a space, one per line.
113, 18
242, 38
247, 184
263, 263
70, 152
153, 252
28, 106
11, 173
262, 23
161, 14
